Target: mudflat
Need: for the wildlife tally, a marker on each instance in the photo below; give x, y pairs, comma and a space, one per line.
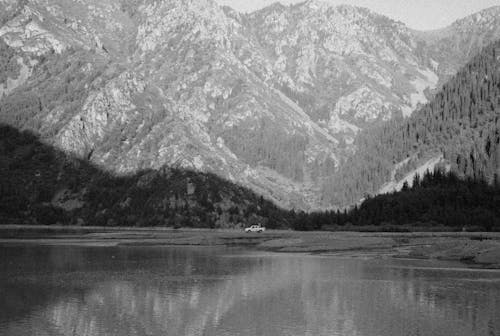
475, 249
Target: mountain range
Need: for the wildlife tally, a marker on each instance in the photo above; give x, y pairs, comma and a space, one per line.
273, 100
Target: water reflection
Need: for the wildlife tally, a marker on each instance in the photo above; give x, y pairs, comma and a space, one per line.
200, 291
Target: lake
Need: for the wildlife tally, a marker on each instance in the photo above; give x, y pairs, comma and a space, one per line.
55, 290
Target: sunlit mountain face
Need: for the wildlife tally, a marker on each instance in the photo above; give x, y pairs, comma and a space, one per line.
192, 291
272, 100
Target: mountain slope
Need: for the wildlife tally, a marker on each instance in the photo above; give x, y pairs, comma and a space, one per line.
346, 66
457, 44
180, 98
459, 130
256, 99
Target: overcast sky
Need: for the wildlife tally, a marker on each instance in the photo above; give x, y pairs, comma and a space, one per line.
418, 14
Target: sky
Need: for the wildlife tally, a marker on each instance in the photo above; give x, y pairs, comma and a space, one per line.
417, 14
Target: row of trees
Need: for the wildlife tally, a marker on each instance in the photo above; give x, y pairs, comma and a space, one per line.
434, 201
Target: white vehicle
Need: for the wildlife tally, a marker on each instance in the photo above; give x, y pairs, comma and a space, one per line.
255, 228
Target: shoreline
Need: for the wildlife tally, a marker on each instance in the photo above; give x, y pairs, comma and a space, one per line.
471, 248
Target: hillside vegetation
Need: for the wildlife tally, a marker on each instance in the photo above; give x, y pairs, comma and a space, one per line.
437, 201
41, 185
462, 123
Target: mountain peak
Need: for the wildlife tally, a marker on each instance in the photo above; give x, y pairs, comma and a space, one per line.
321, 5
482, 18
316, 4
164, 21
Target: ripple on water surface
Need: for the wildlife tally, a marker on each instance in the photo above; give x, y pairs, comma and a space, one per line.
218, 291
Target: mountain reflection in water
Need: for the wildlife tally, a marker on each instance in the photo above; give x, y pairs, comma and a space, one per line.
206, 291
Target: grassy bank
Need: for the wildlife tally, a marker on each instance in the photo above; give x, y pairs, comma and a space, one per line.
480, 249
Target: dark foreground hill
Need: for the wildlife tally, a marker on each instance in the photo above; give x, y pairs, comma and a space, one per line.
42, 185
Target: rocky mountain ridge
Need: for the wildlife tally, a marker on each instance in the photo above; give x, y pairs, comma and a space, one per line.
272, 100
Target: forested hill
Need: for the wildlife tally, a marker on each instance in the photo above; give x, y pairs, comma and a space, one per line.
461, 125
437, 201
42, 185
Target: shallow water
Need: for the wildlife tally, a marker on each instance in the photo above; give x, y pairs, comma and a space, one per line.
207, 291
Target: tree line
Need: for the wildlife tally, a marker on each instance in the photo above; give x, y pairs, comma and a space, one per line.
436, 201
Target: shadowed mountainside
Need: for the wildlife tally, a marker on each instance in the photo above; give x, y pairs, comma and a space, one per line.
42, 185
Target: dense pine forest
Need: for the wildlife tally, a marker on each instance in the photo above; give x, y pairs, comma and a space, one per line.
437, 201
462, 123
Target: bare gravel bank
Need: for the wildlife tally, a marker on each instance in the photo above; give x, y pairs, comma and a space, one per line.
476, 249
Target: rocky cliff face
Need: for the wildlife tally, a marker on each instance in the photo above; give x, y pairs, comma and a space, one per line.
456, 45
346, 67
272, 100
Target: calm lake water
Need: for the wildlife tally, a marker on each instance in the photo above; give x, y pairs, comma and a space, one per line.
206, 291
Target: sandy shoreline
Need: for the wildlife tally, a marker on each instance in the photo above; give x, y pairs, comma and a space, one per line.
474, 249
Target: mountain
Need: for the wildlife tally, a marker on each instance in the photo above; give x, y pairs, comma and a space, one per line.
459, 131
347, 67
173, 93
271, 100
454, 46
